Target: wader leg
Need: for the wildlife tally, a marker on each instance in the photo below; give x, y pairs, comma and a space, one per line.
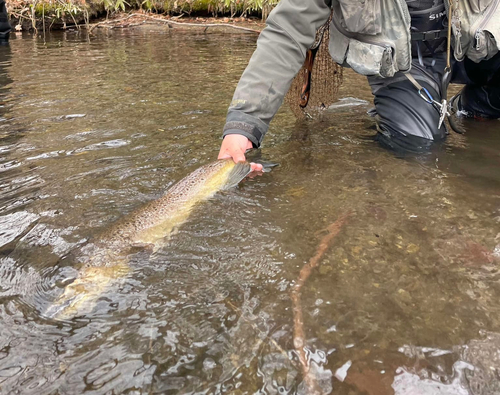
481, 97
406, 122
5, 27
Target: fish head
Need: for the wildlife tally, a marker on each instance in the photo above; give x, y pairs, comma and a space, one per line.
81, 296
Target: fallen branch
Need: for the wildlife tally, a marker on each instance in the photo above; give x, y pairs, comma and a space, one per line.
299, 339
129, 25
171, 22
107, 22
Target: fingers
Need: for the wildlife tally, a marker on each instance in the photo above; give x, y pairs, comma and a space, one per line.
234, 146
254, 174
234, 154
256, 167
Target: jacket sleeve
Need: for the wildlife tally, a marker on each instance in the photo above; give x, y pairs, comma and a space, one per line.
281, 51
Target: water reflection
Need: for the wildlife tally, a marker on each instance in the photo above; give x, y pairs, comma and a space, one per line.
475, 369
5, 82
405, 300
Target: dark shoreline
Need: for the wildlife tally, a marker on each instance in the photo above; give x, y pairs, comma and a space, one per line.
138, 18
203, 24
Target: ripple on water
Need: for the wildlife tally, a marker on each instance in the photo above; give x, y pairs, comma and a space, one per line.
110, 144
13, 225
210, 312
5, 166
18, 187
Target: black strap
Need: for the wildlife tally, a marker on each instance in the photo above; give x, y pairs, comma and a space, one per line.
429, 36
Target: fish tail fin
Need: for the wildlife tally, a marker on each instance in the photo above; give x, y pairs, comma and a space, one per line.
267, 166
238, 173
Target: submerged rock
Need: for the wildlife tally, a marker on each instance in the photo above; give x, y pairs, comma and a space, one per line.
484, 355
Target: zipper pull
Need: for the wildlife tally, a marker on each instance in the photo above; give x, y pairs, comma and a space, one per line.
479, 42
457, 32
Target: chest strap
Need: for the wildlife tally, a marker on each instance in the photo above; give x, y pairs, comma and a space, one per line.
429, 36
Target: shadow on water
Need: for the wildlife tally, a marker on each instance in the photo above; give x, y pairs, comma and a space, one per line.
404, 301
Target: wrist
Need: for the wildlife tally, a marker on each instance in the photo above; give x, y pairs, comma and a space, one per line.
249, 136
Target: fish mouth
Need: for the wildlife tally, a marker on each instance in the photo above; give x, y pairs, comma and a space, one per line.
80, 297
65, 307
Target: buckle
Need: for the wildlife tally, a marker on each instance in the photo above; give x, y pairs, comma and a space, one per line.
431, 35
428, 36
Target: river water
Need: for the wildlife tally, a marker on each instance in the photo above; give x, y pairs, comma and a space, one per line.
405, 301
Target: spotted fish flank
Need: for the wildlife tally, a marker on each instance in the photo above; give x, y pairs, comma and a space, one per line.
105, 259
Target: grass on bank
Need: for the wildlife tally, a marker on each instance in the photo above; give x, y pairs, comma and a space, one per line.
62, 12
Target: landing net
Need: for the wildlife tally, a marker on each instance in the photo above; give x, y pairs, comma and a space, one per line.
326, 79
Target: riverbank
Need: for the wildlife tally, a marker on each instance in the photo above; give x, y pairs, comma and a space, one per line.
205, 24
36, 15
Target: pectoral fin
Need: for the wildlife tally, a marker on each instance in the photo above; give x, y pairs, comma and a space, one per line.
239, 172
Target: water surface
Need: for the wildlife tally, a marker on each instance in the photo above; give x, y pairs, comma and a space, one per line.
405, 300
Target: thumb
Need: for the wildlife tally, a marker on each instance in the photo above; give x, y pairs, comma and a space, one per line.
233, 146
238, 155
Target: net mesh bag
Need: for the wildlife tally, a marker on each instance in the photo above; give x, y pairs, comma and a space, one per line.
326, 78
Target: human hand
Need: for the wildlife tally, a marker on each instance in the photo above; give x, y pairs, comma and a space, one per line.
234, 147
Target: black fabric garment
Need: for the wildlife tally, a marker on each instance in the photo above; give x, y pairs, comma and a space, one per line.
405, 121
5, 27
408, 123
427, 15
481, 96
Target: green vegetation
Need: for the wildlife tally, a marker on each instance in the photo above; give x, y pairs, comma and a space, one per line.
50, 12
213, 7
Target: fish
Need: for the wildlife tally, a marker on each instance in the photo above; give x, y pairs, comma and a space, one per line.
104, 258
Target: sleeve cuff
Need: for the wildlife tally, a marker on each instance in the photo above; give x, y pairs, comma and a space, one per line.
244, 129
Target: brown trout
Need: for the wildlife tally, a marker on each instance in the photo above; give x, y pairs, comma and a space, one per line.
105, 258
